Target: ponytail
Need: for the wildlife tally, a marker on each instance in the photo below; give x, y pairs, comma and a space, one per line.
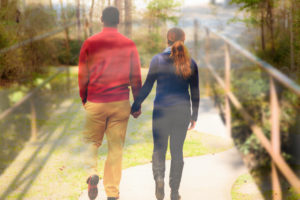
181, 58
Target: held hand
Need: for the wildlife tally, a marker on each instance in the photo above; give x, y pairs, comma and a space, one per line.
136, 114
192, 126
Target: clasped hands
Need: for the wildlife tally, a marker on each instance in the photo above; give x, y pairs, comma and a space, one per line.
136, 114
139, 112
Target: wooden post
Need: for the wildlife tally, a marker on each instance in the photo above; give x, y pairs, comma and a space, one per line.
275, 138
207, 56
227, 83
196, 39
68, 79
33, 121
207, 45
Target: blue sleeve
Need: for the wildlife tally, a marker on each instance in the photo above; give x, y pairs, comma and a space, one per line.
194, 87
147, 87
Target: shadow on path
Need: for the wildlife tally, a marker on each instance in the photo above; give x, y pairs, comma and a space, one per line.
28, 173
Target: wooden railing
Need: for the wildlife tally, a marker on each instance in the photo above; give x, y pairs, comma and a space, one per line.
29, 96
273, 146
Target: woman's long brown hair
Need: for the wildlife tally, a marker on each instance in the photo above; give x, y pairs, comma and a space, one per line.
179, 53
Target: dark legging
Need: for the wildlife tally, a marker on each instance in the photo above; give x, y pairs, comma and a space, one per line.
169, 122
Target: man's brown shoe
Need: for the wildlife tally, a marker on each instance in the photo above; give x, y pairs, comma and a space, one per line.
92, 182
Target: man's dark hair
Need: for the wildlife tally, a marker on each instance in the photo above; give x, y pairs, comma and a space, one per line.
110, 16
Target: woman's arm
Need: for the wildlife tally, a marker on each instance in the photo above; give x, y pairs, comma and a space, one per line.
147, 87
194, 86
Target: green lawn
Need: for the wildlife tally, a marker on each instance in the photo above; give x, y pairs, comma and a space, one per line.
242, 190
52, 167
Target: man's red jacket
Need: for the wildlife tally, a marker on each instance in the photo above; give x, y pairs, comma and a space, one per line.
108, 64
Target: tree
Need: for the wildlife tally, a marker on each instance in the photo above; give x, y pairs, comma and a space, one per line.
279, 25
50, 4
119, 4
3, 3
128, 18
91, 17
78, 19
67, 37
159, 12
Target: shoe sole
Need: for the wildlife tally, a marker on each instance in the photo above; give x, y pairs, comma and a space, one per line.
93, 192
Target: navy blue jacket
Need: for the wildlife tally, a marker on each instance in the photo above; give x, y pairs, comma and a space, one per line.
171, 89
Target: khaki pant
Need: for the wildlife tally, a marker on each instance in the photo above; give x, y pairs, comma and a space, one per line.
109, 118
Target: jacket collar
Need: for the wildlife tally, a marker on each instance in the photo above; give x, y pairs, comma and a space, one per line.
168, 49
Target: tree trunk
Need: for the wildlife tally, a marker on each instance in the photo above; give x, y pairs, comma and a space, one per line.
292, 42
128, 18
262, 27
4, 3
67, 38
85, 22
271, 23
50, 4
78, 19
91, 17
118, 4
102, 6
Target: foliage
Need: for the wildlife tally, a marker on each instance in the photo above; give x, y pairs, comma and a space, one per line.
22, 64
244, 180
278, 22
148, 44
152, 40
163, 11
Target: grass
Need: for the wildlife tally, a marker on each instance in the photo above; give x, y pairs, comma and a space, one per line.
238, 193
52, 167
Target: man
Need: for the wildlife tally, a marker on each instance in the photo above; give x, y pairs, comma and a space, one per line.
108, 65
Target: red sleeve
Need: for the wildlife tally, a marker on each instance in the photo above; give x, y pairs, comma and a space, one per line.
135, 73
83, 72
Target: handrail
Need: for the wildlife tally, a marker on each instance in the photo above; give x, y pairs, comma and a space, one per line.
24, 99
279, 76
273, 146
285, 169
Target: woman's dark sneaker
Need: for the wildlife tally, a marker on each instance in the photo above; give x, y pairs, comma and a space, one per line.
92, 182
175, 196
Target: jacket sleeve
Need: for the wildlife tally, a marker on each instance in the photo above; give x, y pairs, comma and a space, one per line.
194, 87
147, 87
83, 72
135, 73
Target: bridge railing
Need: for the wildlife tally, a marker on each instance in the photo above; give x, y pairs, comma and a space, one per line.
271, 146
65, 27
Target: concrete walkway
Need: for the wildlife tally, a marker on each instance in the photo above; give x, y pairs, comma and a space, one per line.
209, 120
208, 177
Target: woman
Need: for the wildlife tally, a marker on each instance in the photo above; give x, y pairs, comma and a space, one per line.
175, 72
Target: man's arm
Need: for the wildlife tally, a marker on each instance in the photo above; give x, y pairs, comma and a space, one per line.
135, 73
83, 72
